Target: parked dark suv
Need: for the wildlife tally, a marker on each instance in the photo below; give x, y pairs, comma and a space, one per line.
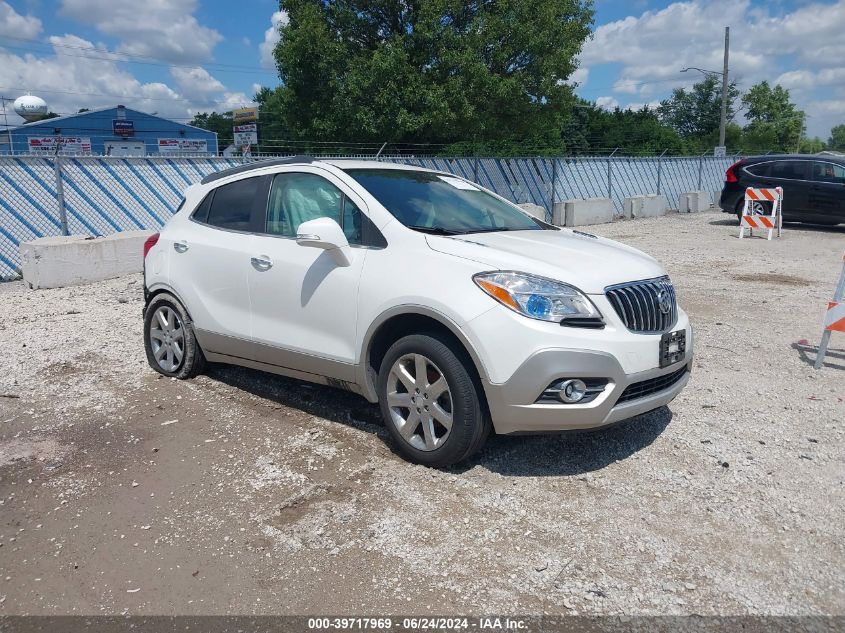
813, 186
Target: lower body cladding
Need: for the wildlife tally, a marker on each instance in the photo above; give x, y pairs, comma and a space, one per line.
524, 404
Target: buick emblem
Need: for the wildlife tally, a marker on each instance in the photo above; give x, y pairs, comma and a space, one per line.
664, 302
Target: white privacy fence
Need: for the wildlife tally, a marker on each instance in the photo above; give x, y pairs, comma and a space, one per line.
102, 195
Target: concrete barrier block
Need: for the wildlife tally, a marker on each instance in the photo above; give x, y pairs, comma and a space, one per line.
581, 212
54, 262
647, 206
694, 202
534, 209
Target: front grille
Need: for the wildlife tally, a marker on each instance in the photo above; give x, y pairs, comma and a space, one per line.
638, 304
652, 385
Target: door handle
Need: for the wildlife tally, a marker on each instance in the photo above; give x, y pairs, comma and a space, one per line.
180, 247
261, 263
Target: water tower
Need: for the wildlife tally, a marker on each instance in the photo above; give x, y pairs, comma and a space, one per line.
30, 108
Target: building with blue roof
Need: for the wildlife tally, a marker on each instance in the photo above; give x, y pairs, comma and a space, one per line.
115, 131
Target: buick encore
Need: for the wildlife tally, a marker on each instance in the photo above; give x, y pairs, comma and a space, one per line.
452, 308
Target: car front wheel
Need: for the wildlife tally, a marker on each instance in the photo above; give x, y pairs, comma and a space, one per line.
430, 401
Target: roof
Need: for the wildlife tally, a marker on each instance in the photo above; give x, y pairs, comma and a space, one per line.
825, 155
97, 111
308, 160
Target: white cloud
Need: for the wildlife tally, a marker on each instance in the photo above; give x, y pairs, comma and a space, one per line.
13, 24
68, 83
271, 38
804, 50
608, 103
196, 81
579, 77
164, 29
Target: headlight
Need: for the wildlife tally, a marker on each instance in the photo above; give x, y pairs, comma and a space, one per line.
537, 297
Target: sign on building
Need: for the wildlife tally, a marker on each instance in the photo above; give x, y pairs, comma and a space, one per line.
246, 134
123, 127
182, 146
66, 144
244, 115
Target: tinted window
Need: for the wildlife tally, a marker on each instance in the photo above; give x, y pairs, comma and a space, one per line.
760, 169
438, 203
828, 172
232, 204
792, 169
297, 198
201, 213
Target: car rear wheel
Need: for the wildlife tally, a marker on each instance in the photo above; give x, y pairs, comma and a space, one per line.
430, 402
757, 208
169, 340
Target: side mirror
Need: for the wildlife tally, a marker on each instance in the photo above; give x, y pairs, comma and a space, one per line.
325, 233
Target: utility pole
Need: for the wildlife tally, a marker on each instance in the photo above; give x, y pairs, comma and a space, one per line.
723, 121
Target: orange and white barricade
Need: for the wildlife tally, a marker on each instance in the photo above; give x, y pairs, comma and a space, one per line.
752, 215
834, 318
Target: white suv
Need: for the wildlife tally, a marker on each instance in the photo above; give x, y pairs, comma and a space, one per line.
452, 308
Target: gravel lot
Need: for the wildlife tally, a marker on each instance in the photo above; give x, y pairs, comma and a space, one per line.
241, 492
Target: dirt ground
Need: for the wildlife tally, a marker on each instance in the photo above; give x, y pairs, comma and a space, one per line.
241, 492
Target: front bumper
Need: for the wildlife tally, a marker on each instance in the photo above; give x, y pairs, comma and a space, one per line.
548, 365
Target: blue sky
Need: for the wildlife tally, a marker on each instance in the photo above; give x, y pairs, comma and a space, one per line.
178, 57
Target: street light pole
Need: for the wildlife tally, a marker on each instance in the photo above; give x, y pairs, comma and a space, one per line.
723, 120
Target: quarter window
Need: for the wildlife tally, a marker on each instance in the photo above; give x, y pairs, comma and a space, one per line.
231, 204
201, 212
789, 169
760, 169
297, 197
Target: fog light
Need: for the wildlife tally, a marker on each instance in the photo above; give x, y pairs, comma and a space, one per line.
572, 391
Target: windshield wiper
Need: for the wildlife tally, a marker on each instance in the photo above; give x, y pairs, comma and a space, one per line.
434, 230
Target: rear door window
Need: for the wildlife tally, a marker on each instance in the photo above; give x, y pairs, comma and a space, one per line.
828, 172
232, 204
789, 169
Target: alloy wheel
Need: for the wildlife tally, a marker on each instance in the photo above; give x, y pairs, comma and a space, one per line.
420, 402
167, 338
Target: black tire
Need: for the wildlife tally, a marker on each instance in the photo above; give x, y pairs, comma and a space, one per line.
740, 204
470, 423
192, 361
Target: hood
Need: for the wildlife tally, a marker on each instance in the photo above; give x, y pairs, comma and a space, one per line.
585, 261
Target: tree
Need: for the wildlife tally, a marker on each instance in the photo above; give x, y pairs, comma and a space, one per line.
429, 71
696, 113
214, 122
273, 134
774, 122
836, 141
589, 129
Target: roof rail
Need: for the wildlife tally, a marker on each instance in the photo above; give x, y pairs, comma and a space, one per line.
259, 164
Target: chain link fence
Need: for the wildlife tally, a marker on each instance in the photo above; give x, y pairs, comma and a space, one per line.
103, 195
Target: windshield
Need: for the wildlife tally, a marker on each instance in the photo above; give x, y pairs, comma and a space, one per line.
436, 203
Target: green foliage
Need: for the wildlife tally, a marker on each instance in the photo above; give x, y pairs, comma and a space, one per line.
629, 132
273, 133
430, 71
811, 145
836, 142
214, 122
774, 122
697, 112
